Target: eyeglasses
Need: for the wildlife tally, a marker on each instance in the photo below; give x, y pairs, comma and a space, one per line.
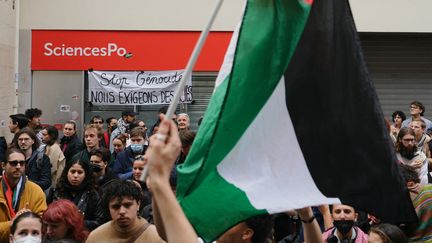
98, 122
414, 107
15, 163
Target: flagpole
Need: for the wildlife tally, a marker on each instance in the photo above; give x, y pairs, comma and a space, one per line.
188, 71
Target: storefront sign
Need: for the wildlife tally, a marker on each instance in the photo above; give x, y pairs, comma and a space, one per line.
136, 88
124, 50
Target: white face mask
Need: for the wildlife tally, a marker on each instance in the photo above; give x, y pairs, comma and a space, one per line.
28, 239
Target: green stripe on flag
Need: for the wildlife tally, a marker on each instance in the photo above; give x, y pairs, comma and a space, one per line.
267, 39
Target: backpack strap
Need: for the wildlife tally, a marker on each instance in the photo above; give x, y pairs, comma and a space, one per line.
143, 228
39, 159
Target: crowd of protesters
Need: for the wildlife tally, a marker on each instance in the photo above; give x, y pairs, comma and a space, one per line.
92, 190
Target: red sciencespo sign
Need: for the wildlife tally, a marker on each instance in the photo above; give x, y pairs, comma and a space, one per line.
124, 50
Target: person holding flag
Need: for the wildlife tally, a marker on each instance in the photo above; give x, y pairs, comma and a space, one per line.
260, 148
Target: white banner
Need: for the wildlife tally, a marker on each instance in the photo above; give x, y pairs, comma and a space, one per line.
136, 88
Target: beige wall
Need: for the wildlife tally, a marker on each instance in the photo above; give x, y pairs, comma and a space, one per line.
127, 15
392, 15
7, 64
370, 15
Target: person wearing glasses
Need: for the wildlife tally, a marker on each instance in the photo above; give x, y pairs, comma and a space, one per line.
417, 111
408, 154
17, 194
38, 163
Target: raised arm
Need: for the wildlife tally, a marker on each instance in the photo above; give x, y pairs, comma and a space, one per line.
311, 229
161, 155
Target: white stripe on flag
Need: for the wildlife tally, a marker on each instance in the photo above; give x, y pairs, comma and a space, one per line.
227, 64
267, 163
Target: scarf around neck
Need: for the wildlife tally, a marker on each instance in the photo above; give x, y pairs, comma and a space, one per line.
12, 195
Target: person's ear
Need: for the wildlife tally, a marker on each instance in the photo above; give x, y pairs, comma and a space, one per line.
247, 234
355, 217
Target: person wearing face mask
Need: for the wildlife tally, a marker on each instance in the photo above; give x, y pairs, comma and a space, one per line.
102, 174
26, 228
344, 231
124, 161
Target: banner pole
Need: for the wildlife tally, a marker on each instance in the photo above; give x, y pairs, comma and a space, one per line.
188, 71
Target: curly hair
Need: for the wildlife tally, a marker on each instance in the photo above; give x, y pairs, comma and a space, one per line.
398, 113
119, 189
66, 211
33, 112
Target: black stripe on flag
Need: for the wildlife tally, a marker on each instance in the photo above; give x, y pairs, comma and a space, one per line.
338, 120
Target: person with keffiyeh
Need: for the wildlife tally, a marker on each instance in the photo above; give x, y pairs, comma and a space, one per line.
17, 194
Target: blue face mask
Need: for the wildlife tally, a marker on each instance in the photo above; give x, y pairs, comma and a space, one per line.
137, 148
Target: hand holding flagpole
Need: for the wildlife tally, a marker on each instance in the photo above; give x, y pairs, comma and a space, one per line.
187, 73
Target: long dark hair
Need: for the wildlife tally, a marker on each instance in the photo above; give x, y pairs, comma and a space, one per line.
64, 185
53, 133
31, 134
402, 132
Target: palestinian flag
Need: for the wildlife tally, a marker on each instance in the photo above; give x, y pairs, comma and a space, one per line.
294, 121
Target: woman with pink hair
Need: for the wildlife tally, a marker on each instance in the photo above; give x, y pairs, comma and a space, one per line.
63, 221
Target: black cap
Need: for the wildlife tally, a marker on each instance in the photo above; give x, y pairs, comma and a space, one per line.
129, 113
